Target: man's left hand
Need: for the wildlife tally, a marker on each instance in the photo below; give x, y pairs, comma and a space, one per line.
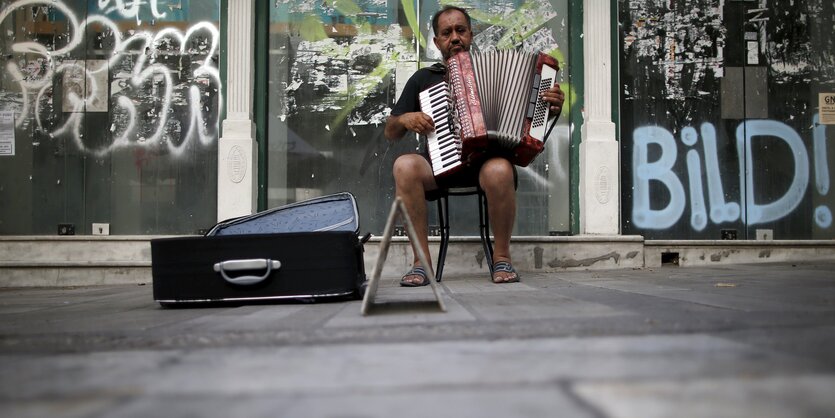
555, 97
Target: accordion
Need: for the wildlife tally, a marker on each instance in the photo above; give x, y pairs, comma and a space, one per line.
489, 105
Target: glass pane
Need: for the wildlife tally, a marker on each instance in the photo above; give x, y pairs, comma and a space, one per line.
720, 130
789, 65
335, 72
115, 113
680, 177
330, 84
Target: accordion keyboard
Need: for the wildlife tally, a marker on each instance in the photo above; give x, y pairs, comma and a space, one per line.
443, 144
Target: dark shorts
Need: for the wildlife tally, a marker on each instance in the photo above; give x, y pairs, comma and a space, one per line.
466, 177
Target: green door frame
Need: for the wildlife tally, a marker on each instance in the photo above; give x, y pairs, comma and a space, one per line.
577, 80
261, 94
224, 45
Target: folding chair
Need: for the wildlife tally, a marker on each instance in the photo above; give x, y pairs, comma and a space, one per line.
483, 222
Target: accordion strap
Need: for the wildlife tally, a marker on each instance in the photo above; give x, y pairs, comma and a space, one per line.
548, 132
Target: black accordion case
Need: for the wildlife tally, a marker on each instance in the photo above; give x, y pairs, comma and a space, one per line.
308, 250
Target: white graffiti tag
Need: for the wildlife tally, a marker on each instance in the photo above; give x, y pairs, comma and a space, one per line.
164, 85
748, 133
133, 11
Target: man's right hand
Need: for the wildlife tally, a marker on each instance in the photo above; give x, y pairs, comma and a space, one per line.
418, 122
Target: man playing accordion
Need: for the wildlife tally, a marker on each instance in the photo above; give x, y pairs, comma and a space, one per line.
413, 174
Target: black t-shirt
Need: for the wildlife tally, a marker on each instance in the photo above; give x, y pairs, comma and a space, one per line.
419, 81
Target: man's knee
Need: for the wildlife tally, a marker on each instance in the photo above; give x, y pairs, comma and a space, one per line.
497, 172
412, 170
407, 165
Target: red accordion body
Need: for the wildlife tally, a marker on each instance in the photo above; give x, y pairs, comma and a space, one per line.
496, 103
489, 105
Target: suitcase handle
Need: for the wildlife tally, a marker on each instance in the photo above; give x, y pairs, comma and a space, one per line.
243, 265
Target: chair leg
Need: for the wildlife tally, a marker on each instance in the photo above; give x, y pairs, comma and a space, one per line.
443, 220
484, 226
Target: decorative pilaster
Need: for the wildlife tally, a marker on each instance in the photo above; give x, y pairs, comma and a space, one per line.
237, 162
599, 149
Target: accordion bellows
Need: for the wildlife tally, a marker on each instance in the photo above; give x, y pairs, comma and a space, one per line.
492, 107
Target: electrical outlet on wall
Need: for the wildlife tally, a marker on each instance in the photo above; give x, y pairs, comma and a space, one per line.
101, 229
66, 229
765, 234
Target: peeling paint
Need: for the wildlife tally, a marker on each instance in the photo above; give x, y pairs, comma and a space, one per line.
537, 257
673, 38
479, 258
567, 263
346, 74
718, 256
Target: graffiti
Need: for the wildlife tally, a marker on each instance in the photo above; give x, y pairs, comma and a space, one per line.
133, 11
720, 211
161, 88
661, 170
745, 135
681, 65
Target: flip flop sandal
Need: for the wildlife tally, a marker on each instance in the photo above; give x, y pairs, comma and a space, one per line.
415, 271
504, 267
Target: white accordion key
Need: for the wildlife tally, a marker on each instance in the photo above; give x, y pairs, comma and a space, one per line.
442, 144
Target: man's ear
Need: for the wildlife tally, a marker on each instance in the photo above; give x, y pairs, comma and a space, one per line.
435, 40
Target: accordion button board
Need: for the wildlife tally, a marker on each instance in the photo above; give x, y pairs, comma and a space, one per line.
538, 109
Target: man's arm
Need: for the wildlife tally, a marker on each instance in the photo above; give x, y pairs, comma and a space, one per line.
398, 125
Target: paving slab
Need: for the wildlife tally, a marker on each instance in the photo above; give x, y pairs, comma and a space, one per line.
619, 343
768, 397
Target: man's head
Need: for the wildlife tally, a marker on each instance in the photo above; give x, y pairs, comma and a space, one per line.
453, 32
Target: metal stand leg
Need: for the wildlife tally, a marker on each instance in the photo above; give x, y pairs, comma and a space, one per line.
443, 220
484, 226
374, 282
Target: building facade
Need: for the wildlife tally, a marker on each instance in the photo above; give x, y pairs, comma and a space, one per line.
684, 119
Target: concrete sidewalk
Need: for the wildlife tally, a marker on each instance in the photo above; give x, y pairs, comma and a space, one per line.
736, 341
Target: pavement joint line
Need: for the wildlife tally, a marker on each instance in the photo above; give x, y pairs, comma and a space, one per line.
567, 387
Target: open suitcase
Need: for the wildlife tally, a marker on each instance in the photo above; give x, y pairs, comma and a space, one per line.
308, 249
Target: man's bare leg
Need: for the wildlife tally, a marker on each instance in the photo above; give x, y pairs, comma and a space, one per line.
412, 178
496, 179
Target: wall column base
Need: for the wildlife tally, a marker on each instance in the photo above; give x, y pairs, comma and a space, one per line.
237, 170
599, 184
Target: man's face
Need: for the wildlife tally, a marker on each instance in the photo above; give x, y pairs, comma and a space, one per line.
454, 35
